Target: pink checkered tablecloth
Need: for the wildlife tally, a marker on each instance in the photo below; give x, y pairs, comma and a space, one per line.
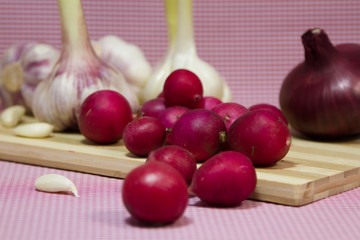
253, 44
100, 214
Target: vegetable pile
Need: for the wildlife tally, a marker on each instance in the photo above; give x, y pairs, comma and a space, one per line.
178, 116
227, 139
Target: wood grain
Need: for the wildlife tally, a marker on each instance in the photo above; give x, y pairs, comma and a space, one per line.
310, 171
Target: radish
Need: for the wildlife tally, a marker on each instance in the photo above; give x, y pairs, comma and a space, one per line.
144, 134
155, 193
178, 157
269, 107
169, 116
261, 135
208, 102
103, 116
182, 88
153, 107
202, 132
226, 179
230, 111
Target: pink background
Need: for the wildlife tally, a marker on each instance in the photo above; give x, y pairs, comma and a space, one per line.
253, 44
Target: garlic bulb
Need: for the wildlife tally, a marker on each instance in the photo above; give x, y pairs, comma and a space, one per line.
126, 57
23, 66
55, 183
185, 56
163, 69
77, 74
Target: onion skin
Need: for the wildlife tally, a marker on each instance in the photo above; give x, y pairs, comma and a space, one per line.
321, 96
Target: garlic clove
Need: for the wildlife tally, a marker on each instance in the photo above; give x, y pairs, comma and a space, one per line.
37, 62
23, 66
12, 77
11, 116
128, 58
55, 183
34, 130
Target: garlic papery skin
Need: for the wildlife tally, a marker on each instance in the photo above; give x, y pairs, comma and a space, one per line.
23, 66
55, 183
163, 69
77, 74
126, 57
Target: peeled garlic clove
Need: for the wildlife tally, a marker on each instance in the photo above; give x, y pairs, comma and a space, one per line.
11, 116
12, 77
34, 130
55, 183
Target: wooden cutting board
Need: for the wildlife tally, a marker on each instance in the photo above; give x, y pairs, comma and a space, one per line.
310, 171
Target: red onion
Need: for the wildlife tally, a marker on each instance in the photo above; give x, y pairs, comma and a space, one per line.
321, 96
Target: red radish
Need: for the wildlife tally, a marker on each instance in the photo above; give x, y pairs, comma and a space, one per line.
183, 88
103, 116
226, 179
178, 157
269, 107
153, 107
169, 116
155, 193
261, 135
144, 134
230, 111
200, 131
208, 102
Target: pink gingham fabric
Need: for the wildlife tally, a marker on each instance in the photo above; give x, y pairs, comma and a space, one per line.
253, 44
28, 214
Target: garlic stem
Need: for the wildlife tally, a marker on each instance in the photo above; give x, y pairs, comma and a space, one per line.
171, 19
75, 38
163, 69
185, 43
